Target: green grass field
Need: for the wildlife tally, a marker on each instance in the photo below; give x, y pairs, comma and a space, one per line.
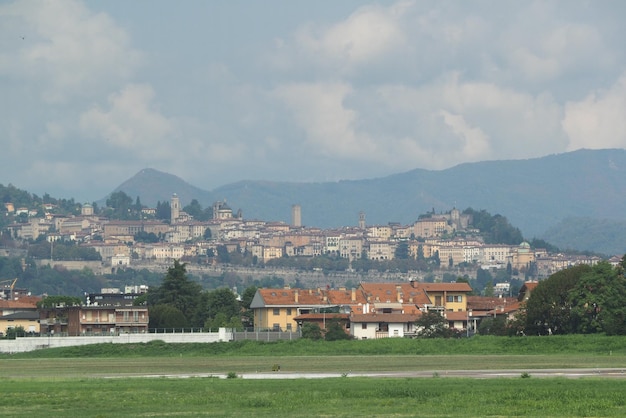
111, 380
319, 397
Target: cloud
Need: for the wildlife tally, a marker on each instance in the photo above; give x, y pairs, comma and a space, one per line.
67, 49
131, 123
598, 121
329, 126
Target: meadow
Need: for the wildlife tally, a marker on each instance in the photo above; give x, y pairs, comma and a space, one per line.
110, 380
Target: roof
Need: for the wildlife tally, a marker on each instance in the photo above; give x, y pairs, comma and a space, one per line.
18, 304
392, 292
486, 303
446, 287
385, 318
31, 315
287, 297
457, 316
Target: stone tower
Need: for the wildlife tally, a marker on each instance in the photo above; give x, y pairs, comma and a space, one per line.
175, 208
296, 216
362, 220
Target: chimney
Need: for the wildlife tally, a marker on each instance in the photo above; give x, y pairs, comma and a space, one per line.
398, 294
295, 295
353, 295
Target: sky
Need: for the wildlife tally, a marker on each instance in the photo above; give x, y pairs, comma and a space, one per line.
92, 92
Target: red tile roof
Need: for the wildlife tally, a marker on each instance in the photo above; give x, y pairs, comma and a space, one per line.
386, 318
446, 287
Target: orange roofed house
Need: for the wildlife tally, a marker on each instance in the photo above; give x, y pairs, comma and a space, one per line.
277, 309
374, 310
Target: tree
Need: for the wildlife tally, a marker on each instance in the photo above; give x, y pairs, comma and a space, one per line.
163, 211
335, 331
120, 206
311, 331
597, 301
167, 316
178, 291
432, 325
59, 301
221, 304
402, 250
247, 317
493, 326
548, 310
195, 209
14, 332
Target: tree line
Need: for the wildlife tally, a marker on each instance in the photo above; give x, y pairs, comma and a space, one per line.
579, 300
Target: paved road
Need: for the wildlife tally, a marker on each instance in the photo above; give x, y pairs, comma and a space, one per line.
618, 373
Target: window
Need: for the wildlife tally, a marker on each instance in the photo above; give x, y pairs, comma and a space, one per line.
276, 327
288, 327
454, 298
276, 311
364, 325
288, 311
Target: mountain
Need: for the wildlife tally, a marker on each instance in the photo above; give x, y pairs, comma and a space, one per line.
534, 194
154, 186
596, 235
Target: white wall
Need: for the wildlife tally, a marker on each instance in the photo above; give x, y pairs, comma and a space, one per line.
35, 343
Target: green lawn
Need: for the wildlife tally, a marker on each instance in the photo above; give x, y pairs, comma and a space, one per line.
319, 397
110, 380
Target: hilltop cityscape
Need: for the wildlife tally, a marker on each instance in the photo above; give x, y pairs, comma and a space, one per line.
485, 250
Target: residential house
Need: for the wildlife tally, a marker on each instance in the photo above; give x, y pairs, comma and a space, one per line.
19, 313
94, 320
386, 325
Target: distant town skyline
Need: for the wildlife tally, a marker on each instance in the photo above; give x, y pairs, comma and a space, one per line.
218, 92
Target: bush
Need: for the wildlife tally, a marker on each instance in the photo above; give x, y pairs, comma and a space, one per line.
311, 331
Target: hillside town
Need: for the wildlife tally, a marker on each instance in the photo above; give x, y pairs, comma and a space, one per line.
448, 238
367, 310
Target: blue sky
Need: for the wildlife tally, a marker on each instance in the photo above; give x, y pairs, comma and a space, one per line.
217, 92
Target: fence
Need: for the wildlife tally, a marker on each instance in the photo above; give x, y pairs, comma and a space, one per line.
266, 335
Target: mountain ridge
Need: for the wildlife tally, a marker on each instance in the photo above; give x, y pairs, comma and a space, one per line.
534, 194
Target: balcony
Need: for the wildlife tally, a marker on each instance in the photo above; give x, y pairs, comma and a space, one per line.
53, 321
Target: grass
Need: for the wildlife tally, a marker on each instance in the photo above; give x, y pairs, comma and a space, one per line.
599, 345
303, 398
74, 381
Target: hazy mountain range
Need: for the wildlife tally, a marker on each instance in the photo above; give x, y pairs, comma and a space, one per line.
553, 197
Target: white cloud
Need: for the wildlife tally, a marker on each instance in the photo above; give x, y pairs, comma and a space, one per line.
132, 123
475, 141
319, 109
599, 120
367, 35
67, 49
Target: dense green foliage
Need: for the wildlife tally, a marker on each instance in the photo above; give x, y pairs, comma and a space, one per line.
60, 281
335, 331
433, 325
62, 251
311, 331
54, 301
180, 302
495, 229
580, 299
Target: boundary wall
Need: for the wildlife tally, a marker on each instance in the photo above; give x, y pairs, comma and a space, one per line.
23, 344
